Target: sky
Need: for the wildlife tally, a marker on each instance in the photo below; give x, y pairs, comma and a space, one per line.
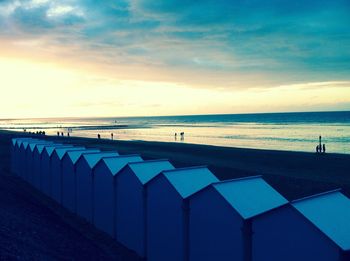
87, 58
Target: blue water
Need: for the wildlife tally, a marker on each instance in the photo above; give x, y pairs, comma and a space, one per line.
281, 131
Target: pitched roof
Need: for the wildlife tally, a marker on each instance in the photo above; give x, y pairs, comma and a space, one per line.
34, 144
75, 155
147, 170
330, 213
61, 151
93, 158
250, 196
49, 149
41, 147
15, 140
25, 143
115, 164
187, 181
20, 140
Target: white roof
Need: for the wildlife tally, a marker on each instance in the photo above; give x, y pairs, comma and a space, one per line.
330, 213
250, 196
75, 155
115, 164
147, 170
187, 181
93, 158
62, 151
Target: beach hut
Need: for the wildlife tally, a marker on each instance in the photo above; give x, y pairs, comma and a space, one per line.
131, 202
221, 216
56, 171
69, 161
37, 156
167, 211
84, 172
21, 161
16, 143
45, 177
29, 160
312, 228
104, 191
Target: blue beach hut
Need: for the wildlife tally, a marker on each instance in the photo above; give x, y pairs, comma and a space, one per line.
69, 161
312, 228
22, 156
45, 177
37, 156
56, 171
29, 158
221, 218
167, 211
104, 191
131, 202
84, 177
15, 160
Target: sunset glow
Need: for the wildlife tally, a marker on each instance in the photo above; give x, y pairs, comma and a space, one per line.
142, 58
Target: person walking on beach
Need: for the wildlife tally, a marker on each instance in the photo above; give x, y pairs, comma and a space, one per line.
111, 136
324, 148
99, 136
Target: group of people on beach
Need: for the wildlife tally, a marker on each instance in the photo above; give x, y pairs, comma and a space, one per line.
99, 136
37, 132
62, 134
321, 148
182, 135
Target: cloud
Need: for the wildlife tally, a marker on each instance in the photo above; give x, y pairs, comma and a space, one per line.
284, 40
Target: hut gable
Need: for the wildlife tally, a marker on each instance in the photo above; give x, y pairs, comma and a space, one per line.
34, 144
21, 141
330, 213
147, 170
93, 158
41, 147
187, 181
116, 164
62, 151
75, 155
25, 144
50, 149
250, 196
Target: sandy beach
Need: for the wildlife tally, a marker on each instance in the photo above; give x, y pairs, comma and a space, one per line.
31, 222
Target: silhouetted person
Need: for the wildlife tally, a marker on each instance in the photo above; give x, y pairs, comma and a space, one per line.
98, 136
320, 142
58, 134
317, 146
62, 134
68, 134
111, 136
324, 148
175, 136
44, 133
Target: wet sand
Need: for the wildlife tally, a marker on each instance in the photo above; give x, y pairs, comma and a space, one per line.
293, 174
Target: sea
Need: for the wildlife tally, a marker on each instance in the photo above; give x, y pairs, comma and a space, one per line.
277, 131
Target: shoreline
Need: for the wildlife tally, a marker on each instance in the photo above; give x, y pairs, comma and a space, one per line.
173, 143
294, 174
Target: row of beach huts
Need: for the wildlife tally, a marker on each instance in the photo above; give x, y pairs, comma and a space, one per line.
165, 213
